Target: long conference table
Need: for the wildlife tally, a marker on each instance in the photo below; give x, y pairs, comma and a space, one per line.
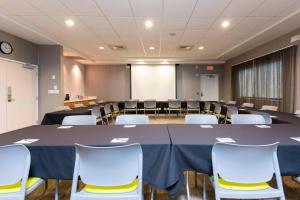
168, 150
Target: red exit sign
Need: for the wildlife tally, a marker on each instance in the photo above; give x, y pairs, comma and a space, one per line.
210, 68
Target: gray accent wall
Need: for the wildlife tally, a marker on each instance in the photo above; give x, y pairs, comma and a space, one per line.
188, 79
274, 45
50, 63
108, 82
23, 51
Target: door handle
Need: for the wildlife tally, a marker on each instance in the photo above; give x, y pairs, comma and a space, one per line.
9, 94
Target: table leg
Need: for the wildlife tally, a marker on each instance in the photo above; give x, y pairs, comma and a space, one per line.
56, 196
204, 188
188, 196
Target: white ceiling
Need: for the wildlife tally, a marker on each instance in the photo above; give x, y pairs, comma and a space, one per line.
121, 22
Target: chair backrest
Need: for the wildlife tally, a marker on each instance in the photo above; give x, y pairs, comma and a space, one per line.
231, 102
78, 105
207, 105
79, 120
271, 108
107, 109
249, 105
245, 163
150, 104
15, 164
247, 119
297, 112
231, 110
130, 104
201, 119
266, 116
218, 108
91, 103
96, 111
193, 104
108, 166
60, 108
174, 103
222, 101
116, 106
132, 119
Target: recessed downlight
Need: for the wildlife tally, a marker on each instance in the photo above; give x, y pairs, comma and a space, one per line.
225, 24
70, 22
148, 24
201, 47
101, 48
151, 48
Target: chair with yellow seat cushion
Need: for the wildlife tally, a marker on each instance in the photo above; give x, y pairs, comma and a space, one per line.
14, 170
217, 112
108, 172
243, 171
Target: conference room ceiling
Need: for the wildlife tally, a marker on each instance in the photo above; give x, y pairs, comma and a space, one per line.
105, 23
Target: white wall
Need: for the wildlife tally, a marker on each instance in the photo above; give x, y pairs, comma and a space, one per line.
153, 82
74, 77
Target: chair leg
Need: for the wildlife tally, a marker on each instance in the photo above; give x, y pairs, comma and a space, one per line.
152, 193
56, 195
204, 188
188, 196
196, 180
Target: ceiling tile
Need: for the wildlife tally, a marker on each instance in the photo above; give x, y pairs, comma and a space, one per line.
241, 8
146, 8
95, 23
21, 8
123, 23
82, 7
51, 8
115, 8
209, 8
178, 8
174, 23
200, 23
191, 37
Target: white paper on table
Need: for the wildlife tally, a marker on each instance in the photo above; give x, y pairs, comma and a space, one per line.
130, 126
64, 127
273, 116
297, 115
90, 109
296, 138
206, 126
119, 140
242, 109
26, 141
225, 140
263, 126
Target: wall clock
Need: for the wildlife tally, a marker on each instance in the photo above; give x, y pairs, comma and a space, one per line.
6, 47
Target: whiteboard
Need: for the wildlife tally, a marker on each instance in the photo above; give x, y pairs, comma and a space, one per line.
153, 82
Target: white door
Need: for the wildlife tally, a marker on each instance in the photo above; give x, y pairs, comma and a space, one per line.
209, 87
20, 91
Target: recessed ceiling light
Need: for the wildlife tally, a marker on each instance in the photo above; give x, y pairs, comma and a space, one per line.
101, 48
201, 47
148, 24
151, 48
225, 24
70, 22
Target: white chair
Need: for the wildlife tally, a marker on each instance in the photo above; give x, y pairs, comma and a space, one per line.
92, 103
217, 112
109, 173
131, 106
297, 112
247, 119
271, 108
248, 105
207, 106
14, 169
266, 116
201, 119
96, 112
132, 119
79, 105
231, 110
204, 119
231, 102
79, 120
60, 108
243, 172
193, 106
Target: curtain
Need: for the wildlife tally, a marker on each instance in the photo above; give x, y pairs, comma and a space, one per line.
268, 80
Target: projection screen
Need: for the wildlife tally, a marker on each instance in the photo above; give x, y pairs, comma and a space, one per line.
153, 82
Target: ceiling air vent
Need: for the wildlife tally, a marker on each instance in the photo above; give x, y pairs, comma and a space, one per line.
117, 47
185, 47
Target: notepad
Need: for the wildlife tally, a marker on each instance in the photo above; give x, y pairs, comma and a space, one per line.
263, 126
206, 126
90, 109
225, 140
26, 141
119, 140
242, 109
296, 138
273, 116
130, 126
64, 127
